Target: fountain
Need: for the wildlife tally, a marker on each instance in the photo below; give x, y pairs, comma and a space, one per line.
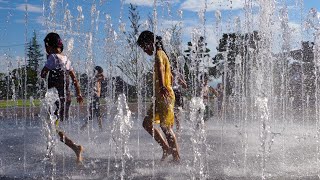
266, 126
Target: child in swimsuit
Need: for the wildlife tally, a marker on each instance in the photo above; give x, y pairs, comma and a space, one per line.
57, 70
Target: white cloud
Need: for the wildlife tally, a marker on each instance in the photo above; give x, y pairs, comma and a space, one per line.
169, 23
140, 2
212, 5
188, 28
30, 7
5, 8
40, 20
148, 2
5, 3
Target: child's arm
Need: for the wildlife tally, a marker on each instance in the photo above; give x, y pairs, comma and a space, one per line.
76, 85
163, 90
215, 92
44, 72
182, 82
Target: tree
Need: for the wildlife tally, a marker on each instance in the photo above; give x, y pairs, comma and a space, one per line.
196, 57
132, 65
26, 82
302, 76
128, 65
3, 86
175, 51
234, 50
35, 57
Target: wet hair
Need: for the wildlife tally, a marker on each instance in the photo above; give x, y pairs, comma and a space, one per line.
145, 37
53, 40
148, 37
99, 69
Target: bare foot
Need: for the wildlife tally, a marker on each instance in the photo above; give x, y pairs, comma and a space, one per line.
176, 155
175, 161
78, 152
166, 153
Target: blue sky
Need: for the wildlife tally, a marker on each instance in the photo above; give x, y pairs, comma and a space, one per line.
85, 33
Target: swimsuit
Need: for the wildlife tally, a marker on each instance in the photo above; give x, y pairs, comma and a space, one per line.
59, 67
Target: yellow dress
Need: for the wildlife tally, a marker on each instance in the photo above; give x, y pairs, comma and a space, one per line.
164, 113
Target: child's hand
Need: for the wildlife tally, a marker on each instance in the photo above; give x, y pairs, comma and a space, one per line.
165, 94
80, 99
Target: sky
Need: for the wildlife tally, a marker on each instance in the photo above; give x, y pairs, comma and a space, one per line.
90, 28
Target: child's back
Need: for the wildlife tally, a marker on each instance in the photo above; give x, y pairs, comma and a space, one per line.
59, 67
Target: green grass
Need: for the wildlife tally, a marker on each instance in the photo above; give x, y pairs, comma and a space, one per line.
18, 103
36, 103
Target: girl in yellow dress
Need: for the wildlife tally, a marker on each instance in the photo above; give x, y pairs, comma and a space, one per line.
164, 97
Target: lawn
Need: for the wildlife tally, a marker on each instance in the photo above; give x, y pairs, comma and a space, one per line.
19, 103
35, 103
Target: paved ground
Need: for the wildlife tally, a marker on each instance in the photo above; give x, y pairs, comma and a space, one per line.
222, 150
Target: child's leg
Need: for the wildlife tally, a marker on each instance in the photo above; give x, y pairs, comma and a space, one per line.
76, 148
148, 126
86, 122
176, 112
177, 116
65, 102
177, 105
96, 105
172, 141
56, 112
206, 114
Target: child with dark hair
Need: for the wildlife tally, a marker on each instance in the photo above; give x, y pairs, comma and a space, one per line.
94, 108
177, 85
206, 92
58, 69
164, 97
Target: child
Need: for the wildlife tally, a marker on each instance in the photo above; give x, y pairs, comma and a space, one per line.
164, 97
94, 101
177, 85
58, 68
220, 98
206, 92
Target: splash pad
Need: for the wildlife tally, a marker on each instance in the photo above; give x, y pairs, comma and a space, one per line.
267, 128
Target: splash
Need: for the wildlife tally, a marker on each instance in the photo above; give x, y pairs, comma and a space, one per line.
198, 138
48, 118
121, 128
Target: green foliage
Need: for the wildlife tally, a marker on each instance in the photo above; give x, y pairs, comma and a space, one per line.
196, 57
34, 58
34, 55
3, 86
231, 47
129, 66
133, 66
19, 103
25, 82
